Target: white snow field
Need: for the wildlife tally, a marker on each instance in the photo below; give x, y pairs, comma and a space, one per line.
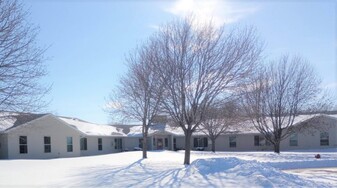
165, 169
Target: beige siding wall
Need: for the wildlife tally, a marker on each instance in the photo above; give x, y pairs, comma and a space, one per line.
244, 142
131, 143
180, 142
310, 138
59, 131
35, 132
108, 146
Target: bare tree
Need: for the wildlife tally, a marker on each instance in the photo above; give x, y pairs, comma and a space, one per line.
218, 121
139, 93
198, 64
21, 61
280, 92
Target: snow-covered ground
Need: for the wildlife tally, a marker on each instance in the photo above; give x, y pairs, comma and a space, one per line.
165, 169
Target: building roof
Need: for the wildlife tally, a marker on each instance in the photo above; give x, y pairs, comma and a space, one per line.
136, 131
9, 120
92, 129
12, 120
246, 127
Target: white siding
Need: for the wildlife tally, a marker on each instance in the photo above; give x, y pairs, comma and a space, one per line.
310, 138
108, 146
35, 132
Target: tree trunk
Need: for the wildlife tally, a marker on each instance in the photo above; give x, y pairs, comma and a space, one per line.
277, 147
213, 145
144, 145
188, 136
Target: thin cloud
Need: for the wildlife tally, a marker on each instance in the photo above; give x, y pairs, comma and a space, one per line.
155, 27
331, 85
220, 12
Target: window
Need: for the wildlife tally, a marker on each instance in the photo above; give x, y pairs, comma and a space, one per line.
200, 142
100, 144
47, 144
232, 141
83, 143
174, 143
293, 140
23, 144
256, 141
69, 144
118, 143
166, 142
154, 141
324, 139
140, 144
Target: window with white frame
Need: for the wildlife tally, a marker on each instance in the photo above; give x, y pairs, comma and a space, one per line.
259, 140
232, 141
324, 139
100, 144
140, 143
200, 142
256, 140
23, 144
83, 143
47, 144
293, 139
69, 144
166, 142
118, 143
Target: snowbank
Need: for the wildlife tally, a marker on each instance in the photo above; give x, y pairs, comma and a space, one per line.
254, 173
165, 169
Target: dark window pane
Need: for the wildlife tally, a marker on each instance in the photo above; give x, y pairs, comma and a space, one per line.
166, 142
195, 142
205, 144
140, 144
47, 148
118, 143
23, 149
324, 140
46, 140
100, 147
23, 139
83, 143
69, 148
69, 140
256, 141
174, 143
232, 141
293, 140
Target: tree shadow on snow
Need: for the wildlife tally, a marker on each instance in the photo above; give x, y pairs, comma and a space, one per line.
136, 174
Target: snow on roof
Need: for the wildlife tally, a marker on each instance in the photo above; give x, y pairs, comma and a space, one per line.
248, 127
6, 123
136, 131
245, 127
92, 129
9, 120
333, 115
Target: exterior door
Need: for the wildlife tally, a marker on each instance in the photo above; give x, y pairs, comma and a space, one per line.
159, 143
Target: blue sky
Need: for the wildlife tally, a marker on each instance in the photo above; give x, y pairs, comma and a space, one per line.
89, 39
